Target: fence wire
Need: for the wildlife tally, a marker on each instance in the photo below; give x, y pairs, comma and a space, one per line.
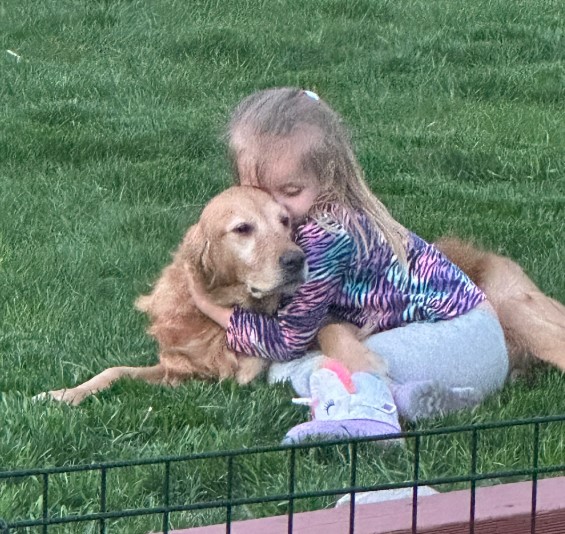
51, 518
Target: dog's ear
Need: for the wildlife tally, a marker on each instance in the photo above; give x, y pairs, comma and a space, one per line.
195, 250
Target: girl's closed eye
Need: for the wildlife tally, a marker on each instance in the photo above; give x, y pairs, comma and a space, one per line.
327, 405
292, 191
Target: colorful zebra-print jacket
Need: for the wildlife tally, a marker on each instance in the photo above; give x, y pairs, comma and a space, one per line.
362, 285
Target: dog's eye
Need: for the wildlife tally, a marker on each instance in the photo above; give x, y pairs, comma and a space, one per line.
243, 229
285, 221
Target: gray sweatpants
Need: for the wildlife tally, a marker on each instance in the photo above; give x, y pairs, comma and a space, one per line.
466, 352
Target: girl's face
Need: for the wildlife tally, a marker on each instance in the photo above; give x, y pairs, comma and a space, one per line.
292, 187
286, 180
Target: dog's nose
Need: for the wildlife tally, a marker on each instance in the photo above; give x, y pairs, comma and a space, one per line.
292, 261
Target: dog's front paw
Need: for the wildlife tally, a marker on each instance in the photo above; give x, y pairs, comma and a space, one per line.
364, 361
72, 396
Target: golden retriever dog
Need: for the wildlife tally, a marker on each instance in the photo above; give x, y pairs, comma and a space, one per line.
533, 323
243, 251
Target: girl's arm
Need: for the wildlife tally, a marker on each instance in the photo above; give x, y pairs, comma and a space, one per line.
218, 314
289, 333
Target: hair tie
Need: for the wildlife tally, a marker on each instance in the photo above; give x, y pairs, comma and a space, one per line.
311, 94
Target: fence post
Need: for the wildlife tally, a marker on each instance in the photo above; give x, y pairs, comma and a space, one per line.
45, 504
416, 476
352, 484
535, 466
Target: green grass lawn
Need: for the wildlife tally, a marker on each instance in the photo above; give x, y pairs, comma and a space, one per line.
111, 142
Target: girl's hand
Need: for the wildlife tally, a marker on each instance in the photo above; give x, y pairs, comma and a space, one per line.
204, 303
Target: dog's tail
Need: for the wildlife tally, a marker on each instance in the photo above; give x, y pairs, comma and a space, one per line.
534, 326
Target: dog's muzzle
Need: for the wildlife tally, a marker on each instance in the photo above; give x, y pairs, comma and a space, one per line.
293, 262
294, 271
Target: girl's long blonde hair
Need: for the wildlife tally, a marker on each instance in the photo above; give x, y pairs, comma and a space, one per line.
266, 117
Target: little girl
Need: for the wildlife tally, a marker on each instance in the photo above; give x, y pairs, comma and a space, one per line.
434, 328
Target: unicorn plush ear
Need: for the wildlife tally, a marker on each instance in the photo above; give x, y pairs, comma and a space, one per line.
337, 375
331, 400
325, 383
342, 373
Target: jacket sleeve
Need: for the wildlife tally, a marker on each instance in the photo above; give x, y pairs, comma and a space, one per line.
288, 334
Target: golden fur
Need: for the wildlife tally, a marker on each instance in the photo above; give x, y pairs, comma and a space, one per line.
242, 249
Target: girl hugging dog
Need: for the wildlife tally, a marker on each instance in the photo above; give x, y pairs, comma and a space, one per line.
435, 330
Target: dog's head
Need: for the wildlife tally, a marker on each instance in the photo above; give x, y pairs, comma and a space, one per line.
244, 238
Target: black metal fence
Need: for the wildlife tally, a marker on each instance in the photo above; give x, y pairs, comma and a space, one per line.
49, 520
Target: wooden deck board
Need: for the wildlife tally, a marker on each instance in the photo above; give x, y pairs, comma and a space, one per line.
501, 509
